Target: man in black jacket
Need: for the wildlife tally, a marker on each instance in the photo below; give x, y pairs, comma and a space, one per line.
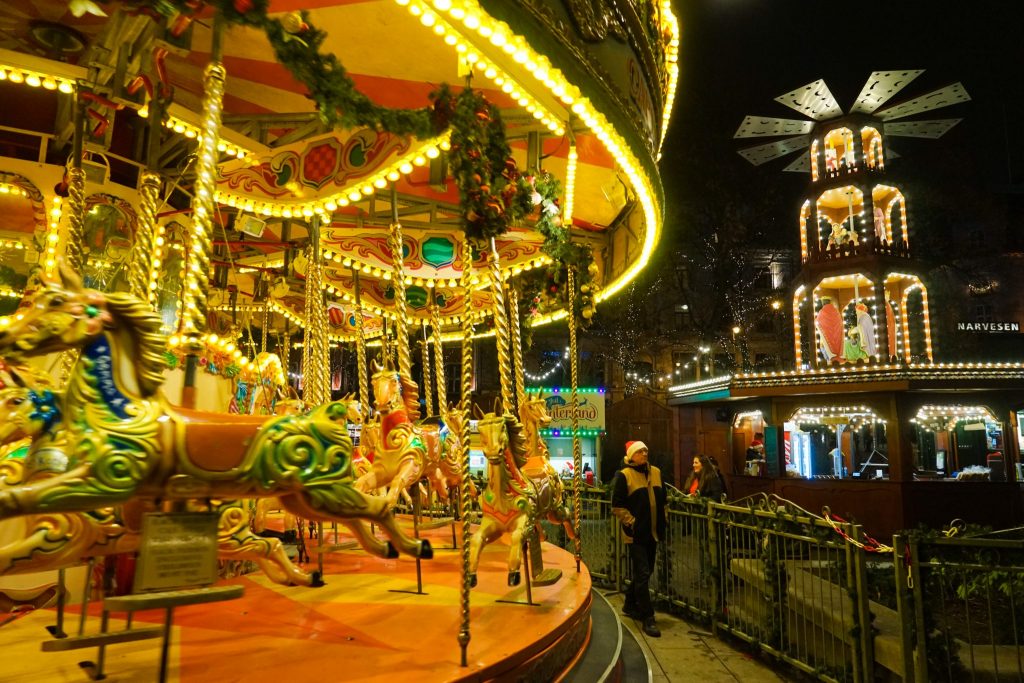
638, 500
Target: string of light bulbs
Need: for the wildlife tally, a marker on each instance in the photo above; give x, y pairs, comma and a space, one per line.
550, 371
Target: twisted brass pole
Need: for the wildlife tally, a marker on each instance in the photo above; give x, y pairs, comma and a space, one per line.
364, 383
517, 344
577, 452
466, 404
428, 394
501, 333
197, 276
143, 251
442, 386
316, 375
74, 254
398, 280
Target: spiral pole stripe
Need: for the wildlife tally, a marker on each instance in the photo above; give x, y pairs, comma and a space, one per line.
197, 275
145, 234
428, 394
398, 281
74, 254
577, 449
442, 386
467, 389
517, 344
501, 333
364, 380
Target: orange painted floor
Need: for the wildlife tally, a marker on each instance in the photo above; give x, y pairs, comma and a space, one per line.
354, 628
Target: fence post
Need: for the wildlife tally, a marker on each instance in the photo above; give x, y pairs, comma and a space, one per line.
852, 592
866, 635
903, 606
717, 600
920, 634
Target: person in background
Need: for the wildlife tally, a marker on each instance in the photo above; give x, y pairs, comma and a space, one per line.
638, 501
704, 480
718, 471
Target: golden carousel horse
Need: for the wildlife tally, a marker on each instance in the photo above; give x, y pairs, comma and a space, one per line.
533, 415
52, 541
509, 502
404, 450
124, 442
522, 487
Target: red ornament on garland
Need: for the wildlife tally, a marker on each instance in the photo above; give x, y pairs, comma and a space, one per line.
243, 6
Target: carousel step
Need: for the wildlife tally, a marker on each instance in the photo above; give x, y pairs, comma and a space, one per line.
611, 654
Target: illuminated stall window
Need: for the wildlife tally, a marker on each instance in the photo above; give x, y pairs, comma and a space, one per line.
836, 442
839, 152
963, 442
814, 160
805, 214
871, 141
840, 219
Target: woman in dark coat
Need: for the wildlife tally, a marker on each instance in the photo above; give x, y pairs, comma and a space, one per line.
703, 480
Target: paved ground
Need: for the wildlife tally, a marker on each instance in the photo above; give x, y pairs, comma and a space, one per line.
689, 652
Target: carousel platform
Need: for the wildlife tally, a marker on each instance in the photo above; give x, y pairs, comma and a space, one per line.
367, 624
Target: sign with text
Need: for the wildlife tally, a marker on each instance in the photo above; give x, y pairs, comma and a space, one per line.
178, 550
589, 409
989, 328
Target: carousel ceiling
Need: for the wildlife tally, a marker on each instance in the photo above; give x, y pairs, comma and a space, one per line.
281, 166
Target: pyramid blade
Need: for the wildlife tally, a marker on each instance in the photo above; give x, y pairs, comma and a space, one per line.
932, 130
813, 100
880, 87
802, 164
758, 126
773, 150
943, 97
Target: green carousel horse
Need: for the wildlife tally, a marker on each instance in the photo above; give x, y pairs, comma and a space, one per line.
124, 442
56, 540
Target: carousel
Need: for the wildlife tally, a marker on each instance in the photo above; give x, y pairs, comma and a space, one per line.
249, 252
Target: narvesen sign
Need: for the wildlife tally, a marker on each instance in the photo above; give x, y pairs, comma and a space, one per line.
988, 328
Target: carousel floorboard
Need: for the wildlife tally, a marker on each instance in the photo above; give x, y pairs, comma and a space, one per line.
366, 624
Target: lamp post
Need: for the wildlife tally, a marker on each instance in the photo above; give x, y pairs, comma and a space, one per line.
737, 357
777, 328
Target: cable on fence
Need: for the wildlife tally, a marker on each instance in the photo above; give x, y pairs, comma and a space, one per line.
872, 546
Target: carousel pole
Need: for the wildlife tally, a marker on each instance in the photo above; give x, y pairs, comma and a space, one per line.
197, 274
501, 331
398, 279
315, 343
265, 324
74, 254
143, 253
517, 343
466, 404
577, 449
364, 383
442, 387
428, 394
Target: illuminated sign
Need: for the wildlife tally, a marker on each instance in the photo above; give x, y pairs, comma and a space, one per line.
988, 328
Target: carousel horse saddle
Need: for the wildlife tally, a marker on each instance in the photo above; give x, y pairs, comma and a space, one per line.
536, 467
218, 442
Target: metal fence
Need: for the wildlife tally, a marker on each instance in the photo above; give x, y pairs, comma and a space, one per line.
803, 589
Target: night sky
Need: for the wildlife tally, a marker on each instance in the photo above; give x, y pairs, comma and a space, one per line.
738, 55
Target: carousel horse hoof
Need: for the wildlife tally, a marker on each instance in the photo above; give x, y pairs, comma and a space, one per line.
317, 580
514, 578
426, 550
472, 580
391, 552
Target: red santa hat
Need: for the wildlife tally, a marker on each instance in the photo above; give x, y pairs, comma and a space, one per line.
632, 447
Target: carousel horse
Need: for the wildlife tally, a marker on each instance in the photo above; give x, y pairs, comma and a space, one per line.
401, 452
58, 540
509, 503
533, 415
124, 442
